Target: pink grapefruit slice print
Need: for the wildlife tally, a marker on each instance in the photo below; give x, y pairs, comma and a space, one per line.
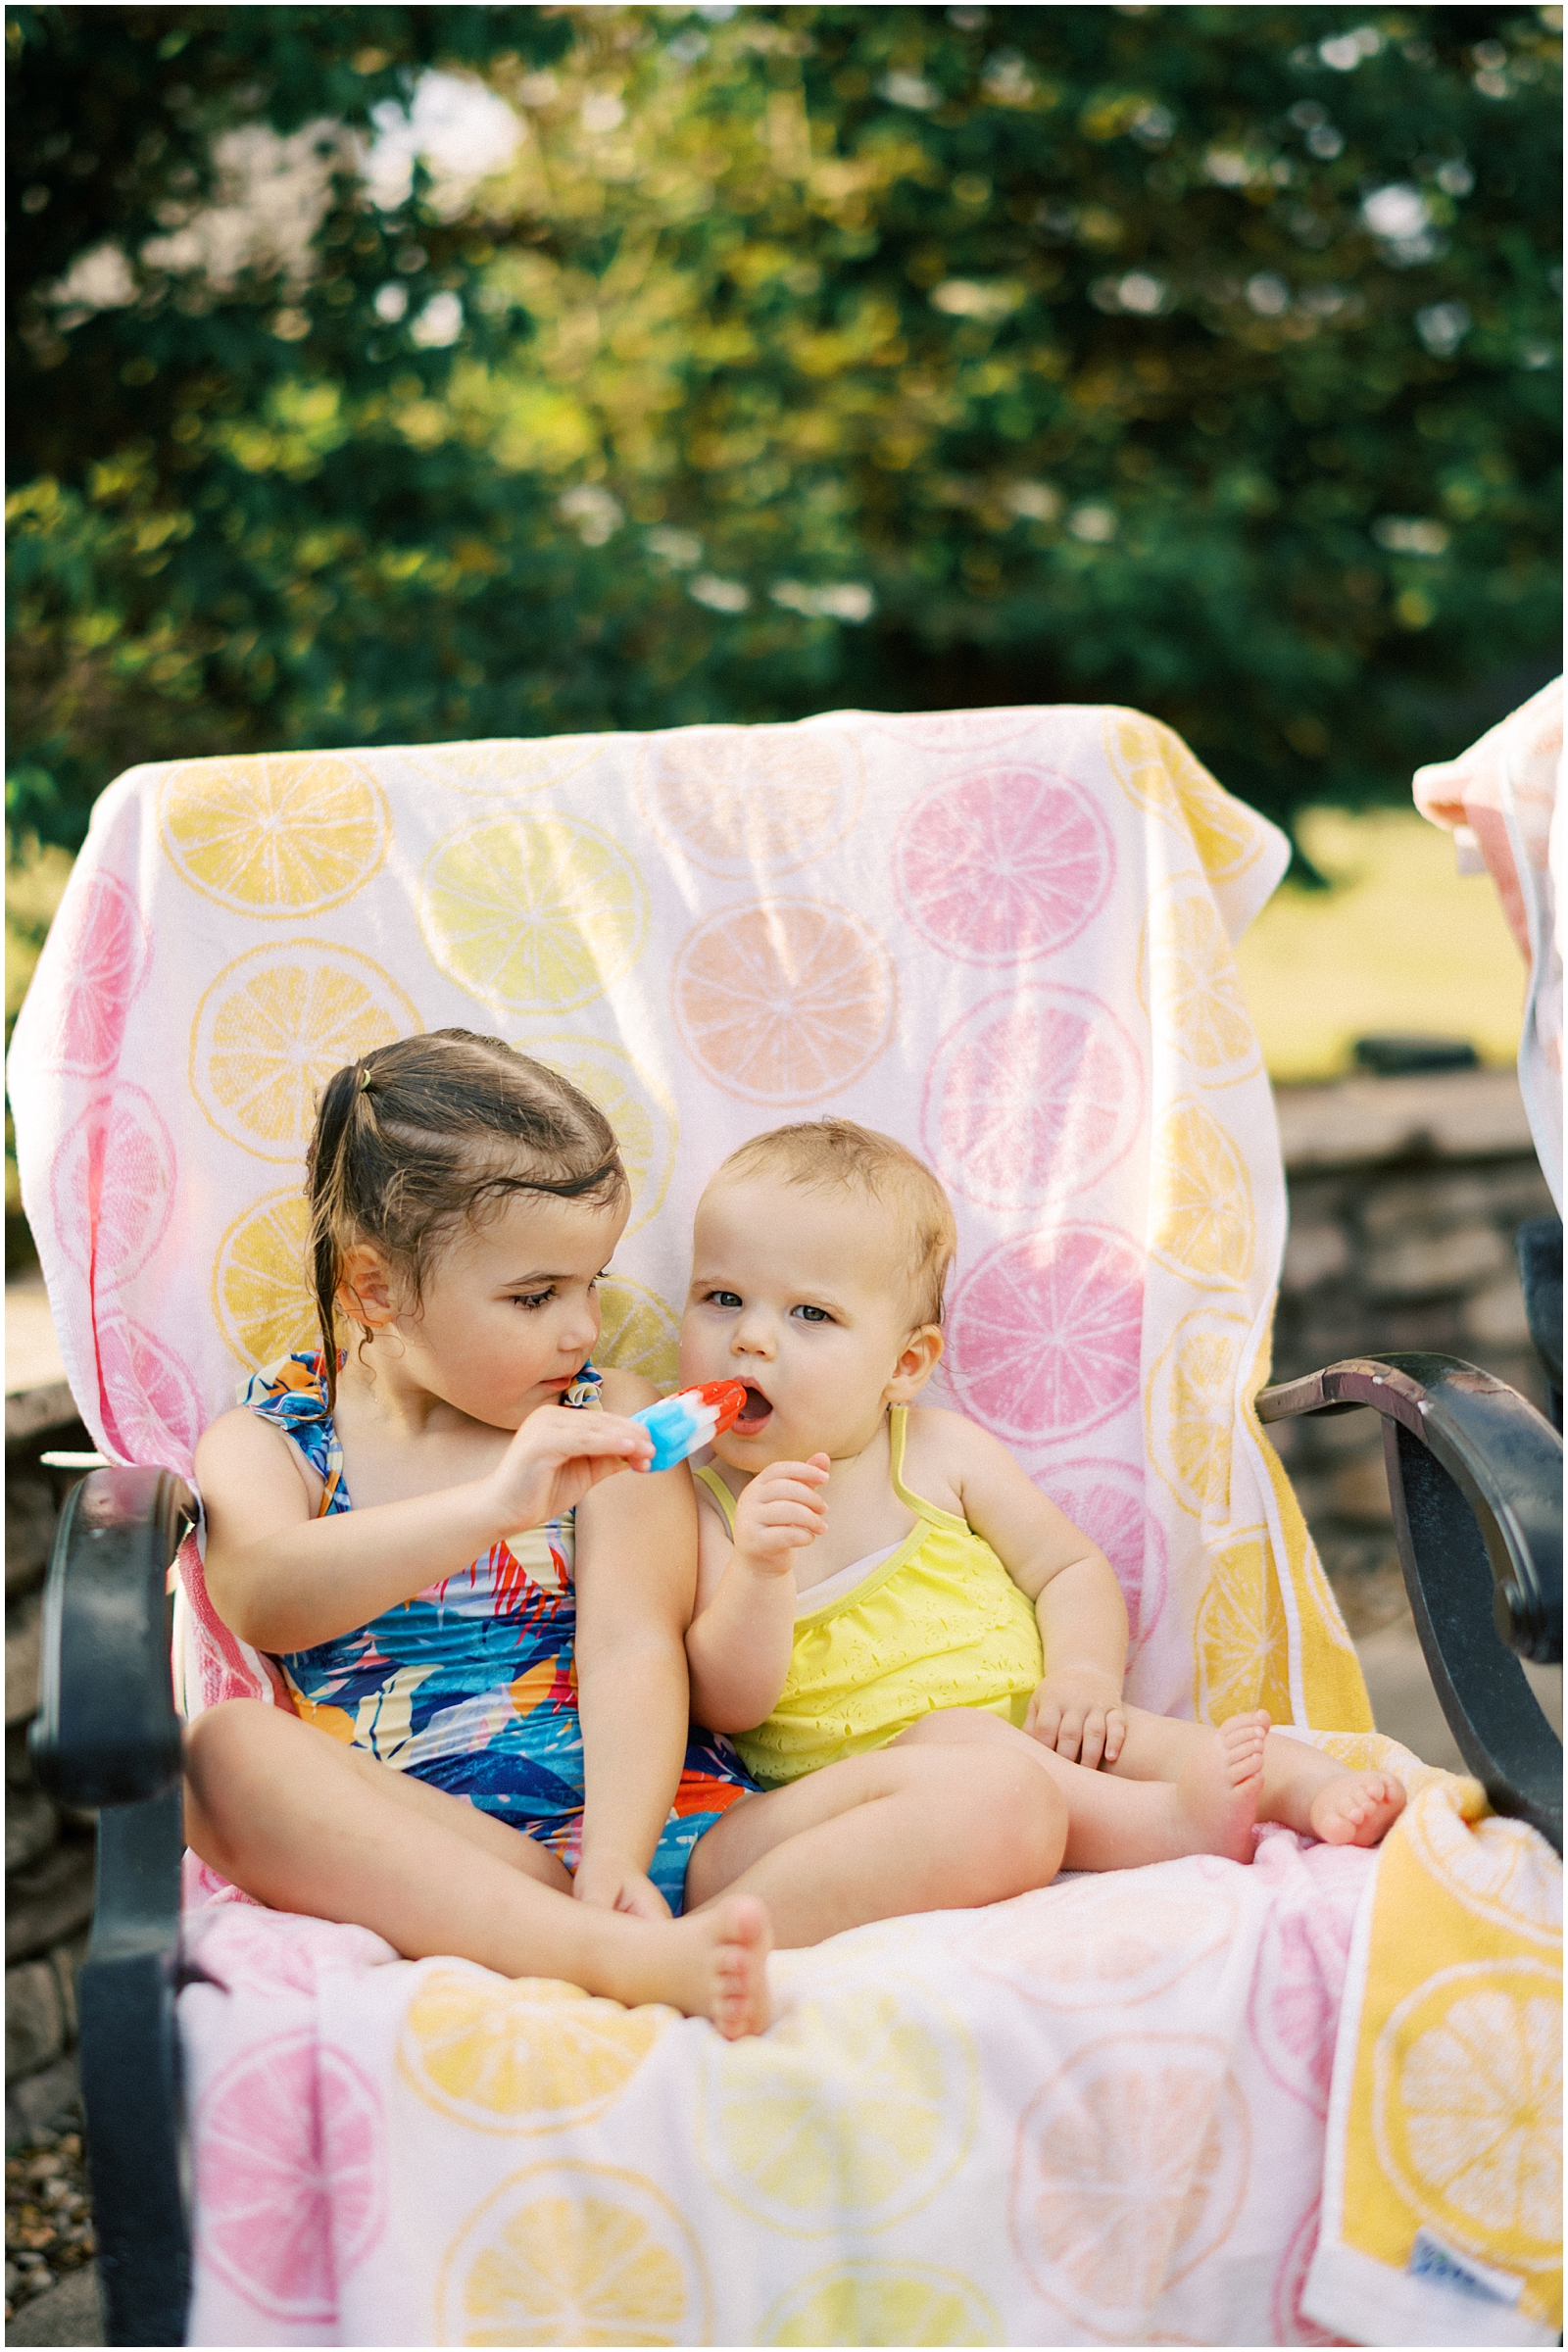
785, 1001
1105, 1500
1031, 1098
289, 2165
1004, 865
753, 800
1045, 1332
113, 1186
152, 1412
963, 732
102, 959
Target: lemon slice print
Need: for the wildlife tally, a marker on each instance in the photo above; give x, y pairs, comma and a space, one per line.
1157, 769
262, 1294
883, 2303
274, 1026
1189, 985
637, 1332
1191, 1409
851, 2112
637, 1107
1200, 1201
503, 765
574, 2254
1467, 2108
282, 834
1242, 1636
532, 913
529, 2054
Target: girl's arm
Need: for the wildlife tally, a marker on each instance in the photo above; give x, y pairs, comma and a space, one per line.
636, 1575
283, 1579
1078, 1601
738, 1647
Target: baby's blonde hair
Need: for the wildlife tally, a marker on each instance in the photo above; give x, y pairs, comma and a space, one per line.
836, 1155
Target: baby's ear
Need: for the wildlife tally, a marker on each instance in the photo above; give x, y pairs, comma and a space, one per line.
917, 1360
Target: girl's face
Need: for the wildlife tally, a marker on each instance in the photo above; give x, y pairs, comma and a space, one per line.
510, 1309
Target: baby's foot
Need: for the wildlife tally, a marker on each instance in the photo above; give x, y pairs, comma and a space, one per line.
724, 1964
1357, 1809
1221, 1787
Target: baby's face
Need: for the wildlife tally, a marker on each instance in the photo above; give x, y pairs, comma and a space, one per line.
798, 1294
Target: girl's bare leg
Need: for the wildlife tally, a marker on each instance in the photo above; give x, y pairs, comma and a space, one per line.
879, 1835
1206, 1806
1302, 1787
305, 1824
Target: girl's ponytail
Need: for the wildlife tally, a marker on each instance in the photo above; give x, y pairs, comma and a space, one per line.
327, 1192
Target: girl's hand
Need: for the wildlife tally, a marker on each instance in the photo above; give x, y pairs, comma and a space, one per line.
607, 1884
555, 1457
1077, 1711
782, 1511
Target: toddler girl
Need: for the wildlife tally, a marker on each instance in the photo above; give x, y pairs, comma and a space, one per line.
878, 1577
483, 1619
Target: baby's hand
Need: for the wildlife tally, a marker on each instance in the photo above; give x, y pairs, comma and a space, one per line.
607, 1884
782, 1511
1077, 1711
556, 1457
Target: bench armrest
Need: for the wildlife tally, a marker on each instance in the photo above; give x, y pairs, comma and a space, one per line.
106, 1732
1474, 1479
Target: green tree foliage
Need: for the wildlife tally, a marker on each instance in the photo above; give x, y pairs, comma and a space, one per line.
1198, 358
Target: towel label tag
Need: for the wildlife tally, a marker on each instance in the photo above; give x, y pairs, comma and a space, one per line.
1431, 2259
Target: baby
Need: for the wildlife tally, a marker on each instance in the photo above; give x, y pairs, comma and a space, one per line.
872, 1570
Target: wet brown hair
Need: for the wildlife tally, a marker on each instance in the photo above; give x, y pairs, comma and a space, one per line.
418, 1138
826, 1155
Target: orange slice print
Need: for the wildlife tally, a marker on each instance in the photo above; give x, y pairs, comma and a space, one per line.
752, 801
262, 1293
503, 766
532, 913
284, 834
1131, 2168
272, 1029
1097, 1943
784, 1001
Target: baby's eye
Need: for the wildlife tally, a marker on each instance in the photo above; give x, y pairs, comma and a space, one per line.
813, 1314
534, 1299
722, 1299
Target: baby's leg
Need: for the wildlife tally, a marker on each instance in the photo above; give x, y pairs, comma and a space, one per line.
879, 1835
1302, 1787
305, 1824
1206, 1806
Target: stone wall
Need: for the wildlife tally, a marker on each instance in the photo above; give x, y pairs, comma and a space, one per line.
1406, 1195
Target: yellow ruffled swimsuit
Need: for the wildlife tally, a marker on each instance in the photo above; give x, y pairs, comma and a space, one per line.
936, 1622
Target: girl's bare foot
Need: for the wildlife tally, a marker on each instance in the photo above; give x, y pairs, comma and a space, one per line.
720, 1969
1221, 1786
1357, 1809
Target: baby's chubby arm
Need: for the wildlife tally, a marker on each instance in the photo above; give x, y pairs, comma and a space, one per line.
284, 1580
738, 1645
1083, 1618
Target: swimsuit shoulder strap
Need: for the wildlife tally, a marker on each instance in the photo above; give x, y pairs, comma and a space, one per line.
930, 1512
721, 1495
292, 1396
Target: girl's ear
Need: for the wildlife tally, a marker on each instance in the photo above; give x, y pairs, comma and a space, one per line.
917, 1360
364, 1288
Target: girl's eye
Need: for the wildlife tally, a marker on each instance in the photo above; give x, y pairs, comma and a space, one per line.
534, 1299
723, 1298
813, 1314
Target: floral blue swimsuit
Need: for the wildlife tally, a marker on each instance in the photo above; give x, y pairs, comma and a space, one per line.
472, 1683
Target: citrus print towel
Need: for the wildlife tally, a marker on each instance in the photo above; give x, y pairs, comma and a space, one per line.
1004, 936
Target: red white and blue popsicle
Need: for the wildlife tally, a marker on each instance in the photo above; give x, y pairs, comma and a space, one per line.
694, 1417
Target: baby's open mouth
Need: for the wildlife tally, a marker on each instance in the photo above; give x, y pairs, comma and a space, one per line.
755, 1413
